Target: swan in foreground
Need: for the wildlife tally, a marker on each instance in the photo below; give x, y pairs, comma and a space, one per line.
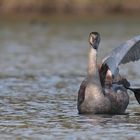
104, 91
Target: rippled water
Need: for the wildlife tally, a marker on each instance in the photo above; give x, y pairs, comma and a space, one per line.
41, 67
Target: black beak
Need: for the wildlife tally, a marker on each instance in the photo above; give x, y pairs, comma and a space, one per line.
94, 39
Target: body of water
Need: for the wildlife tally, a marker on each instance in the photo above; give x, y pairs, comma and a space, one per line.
42, 65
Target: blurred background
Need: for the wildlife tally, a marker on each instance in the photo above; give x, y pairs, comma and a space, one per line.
43, 59
69, 6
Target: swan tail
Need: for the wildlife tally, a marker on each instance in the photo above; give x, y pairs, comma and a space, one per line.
136, 92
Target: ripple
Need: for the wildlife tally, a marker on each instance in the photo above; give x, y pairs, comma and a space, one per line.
40, 73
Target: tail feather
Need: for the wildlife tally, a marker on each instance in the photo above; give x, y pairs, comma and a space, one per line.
136, 93
134, 87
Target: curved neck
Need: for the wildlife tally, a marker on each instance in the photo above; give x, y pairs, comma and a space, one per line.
92, 63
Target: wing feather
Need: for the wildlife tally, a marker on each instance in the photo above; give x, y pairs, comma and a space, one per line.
125, 53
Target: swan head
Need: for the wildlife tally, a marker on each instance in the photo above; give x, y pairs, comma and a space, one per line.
94, 39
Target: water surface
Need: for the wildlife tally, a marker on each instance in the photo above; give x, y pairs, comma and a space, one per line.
41, 67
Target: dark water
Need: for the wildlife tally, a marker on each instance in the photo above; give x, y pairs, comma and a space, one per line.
41, 67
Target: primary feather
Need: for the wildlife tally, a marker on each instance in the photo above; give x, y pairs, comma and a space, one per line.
125, 53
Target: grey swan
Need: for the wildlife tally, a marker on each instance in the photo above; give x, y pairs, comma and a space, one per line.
104, 90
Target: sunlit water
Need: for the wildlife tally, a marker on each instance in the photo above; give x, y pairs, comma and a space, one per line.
41, 67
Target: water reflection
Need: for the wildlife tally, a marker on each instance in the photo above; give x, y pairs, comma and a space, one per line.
40, 72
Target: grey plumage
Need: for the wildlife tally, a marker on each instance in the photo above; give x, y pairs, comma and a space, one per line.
97, 94
125, 53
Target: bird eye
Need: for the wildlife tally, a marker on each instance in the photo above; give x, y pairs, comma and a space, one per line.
92, 39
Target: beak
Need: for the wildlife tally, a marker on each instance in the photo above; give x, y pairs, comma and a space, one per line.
94, 39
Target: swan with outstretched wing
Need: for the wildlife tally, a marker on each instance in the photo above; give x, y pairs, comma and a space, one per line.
125, 53
104, 90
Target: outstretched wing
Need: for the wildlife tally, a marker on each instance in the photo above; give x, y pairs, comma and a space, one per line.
125, 53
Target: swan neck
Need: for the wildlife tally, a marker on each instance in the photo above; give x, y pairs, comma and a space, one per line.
92, 63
